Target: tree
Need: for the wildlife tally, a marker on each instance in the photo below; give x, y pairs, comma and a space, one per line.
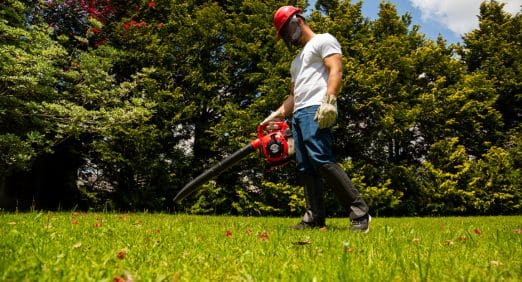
494, 49
119, 105
30, 70
326, 6
402, 95
253, 81
62, 109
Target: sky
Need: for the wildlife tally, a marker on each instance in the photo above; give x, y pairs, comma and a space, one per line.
450, 18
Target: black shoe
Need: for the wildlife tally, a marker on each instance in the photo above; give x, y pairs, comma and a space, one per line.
307, 225
362, 224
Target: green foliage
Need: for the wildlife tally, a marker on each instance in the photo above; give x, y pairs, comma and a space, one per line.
271, 198
494, 48
29, 73
455, 184
442, 183
288, 199
496, 180
16, 154
139, 97
380, 197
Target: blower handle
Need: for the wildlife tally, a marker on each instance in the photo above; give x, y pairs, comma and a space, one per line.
280, 126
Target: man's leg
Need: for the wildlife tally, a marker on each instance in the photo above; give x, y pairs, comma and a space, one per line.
308, 178
315, 212
349, 196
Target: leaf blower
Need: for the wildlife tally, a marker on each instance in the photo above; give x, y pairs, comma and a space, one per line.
274, 142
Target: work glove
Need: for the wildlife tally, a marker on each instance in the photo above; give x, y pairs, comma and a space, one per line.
273, 116
327, 112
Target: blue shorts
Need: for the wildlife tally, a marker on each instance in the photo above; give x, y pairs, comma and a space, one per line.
313, 145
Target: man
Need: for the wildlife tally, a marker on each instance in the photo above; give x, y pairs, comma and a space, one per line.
316, 81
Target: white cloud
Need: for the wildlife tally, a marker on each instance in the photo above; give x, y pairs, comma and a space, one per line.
459, 16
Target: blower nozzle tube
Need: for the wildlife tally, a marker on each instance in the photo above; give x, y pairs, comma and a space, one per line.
214, 171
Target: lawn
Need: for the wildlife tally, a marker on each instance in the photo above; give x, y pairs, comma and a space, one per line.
49, 246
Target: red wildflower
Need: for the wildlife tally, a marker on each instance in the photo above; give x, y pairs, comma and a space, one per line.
161, 25
477, 231
121, 254
74, 214
152, 4
518, 231
126, 25
125, 277
263, 236
228, 233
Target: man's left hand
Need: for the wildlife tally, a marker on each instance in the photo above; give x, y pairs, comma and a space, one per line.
327, 112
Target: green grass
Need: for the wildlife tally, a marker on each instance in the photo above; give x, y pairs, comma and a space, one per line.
160, 247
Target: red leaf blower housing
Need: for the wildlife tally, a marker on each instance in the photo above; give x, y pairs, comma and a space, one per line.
274, 142
276, 146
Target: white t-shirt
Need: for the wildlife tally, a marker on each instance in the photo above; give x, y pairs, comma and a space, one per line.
308, 71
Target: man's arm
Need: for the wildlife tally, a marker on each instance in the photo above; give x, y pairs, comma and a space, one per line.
286, 108
327, 112
334, 67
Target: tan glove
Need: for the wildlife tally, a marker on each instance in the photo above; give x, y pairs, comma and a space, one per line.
327, 112
273, 116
